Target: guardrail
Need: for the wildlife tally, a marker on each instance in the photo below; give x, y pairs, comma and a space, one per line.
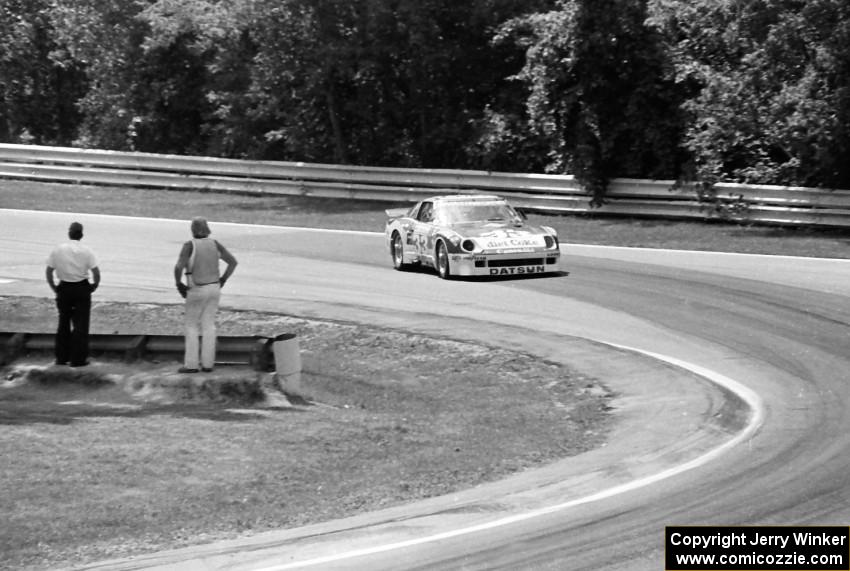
256, 352
534, 192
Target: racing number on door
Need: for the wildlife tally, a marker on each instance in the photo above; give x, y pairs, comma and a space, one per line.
422, 239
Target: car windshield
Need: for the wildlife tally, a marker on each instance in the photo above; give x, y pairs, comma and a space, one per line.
456, 212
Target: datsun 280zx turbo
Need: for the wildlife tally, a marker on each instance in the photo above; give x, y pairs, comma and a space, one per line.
470, 235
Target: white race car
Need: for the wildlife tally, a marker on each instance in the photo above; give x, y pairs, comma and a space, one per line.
470, 235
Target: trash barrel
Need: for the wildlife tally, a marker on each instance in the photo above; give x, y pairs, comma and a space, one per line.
287, 361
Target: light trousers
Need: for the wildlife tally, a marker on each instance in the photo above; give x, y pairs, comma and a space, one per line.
201, 308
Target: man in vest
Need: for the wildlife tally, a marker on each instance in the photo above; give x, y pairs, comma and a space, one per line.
72, 262
199, 261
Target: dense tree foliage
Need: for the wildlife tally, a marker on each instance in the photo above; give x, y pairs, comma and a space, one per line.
601, 90
39, 82
743, 90
769, 90
378, 82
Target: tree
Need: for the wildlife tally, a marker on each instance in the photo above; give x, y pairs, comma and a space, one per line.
298, 76
600, 91
172, 81
39, 83
387, 82
768, 88
105, 38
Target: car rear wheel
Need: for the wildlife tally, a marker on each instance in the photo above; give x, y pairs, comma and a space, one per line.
398, 252
443, 265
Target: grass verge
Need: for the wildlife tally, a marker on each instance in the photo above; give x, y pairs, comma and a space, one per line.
89, 473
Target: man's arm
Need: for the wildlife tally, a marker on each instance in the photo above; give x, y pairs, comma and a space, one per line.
95, 275
182, 262
48, 273
228, 259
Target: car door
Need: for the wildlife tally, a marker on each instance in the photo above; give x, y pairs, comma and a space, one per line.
423, 231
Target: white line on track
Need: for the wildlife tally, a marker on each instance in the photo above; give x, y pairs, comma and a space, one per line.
747, 395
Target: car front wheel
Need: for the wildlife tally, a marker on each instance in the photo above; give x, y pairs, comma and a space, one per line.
443, 264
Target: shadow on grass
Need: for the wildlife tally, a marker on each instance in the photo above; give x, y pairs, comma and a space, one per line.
33, 412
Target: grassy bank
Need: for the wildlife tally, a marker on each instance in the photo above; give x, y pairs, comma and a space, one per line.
92, 472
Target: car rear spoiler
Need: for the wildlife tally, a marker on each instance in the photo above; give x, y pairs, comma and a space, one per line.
393, 213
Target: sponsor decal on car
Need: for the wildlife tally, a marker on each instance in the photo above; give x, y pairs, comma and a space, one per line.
517, 270
512, 239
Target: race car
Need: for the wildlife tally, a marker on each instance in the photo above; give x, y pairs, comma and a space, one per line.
470, 235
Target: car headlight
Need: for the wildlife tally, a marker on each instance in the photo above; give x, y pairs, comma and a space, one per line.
468, 245
551, 238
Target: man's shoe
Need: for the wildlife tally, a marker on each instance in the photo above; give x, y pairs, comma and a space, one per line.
206, 369
186, 370
61, 362
82, 364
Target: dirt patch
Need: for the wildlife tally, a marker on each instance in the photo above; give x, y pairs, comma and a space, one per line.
100, 470
144, 383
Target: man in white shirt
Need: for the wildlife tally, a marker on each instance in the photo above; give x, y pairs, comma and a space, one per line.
71, 262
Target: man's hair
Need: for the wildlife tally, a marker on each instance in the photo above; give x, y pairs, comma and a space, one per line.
200, 228
75, 231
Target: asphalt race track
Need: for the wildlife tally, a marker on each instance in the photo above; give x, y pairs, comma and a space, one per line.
676, 334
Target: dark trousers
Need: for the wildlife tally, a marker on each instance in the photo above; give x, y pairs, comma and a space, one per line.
73, 299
